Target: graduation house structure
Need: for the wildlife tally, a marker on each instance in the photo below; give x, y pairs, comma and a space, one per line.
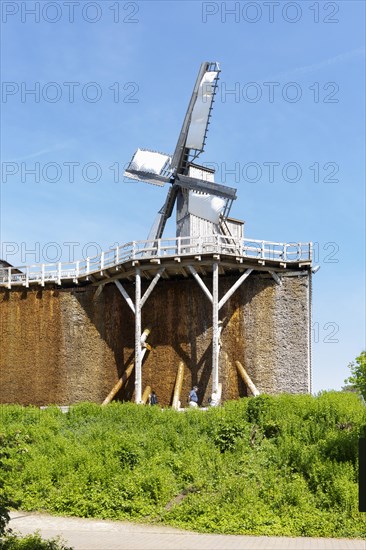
230, 314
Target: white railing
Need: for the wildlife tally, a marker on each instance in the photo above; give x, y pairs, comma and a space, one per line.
140, 250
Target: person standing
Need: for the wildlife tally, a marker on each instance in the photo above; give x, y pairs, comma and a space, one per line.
193, 397
153, 398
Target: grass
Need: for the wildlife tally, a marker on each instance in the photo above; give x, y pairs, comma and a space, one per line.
284, 465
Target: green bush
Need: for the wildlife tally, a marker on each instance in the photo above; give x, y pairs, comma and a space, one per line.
284, 465
31, 542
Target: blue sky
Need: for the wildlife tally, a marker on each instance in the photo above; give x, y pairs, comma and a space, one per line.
311, 55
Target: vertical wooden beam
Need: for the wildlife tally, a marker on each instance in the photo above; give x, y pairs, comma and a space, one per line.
138, 348
215, 327
145, 395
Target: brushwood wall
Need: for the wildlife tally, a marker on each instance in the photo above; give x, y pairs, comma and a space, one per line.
68, 345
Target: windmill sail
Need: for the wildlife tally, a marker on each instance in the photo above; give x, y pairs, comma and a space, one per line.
149, 166
201, 111
207, 207
196, 120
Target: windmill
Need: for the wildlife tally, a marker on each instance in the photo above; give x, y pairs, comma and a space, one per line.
203, 206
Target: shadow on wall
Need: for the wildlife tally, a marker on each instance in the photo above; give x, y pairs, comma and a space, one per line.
66, 345
180, 319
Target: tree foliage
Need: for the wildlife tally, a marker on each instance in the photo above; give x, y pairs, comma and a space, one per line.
358, 377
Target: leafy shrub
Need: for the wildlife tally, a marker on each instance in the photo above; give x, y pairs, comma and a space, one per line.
31, 542
284, 465
227, 436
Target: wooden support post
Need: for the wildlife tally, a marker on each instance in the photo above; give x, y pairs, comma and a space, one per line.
145, 395
138, 348
178, 386
152, 286
125, 295
200, 282
144, 335
98, 291
245, 376
235, 286
215, 327
119, 384
122, 380
275, 276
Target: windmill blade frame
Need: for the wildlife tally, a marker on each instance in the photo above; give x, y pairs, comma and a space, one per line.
182, 152
179, 169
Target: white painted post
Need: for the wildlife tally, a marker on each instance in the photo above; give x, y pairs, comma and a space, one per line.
235, 286
27, 277
125, 295
179, 246
200, 282
151, 287
59, 274
262, 250
102, 261
158, 252
9, 277
42, 275
138, 349
200, 245
215, 327
133, 249
88, 265
116, 261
